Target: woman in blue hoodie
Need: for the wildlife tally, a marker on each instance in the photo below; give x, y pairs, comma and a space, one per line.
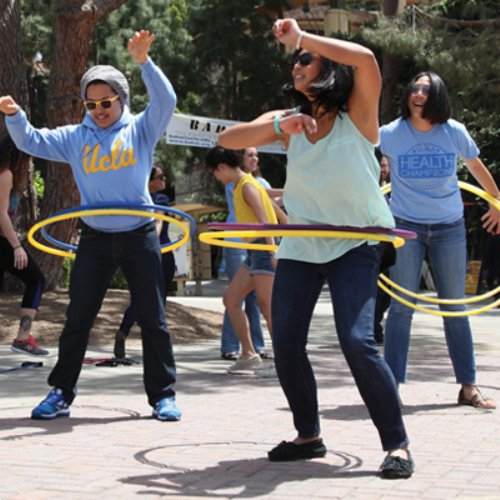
110, 154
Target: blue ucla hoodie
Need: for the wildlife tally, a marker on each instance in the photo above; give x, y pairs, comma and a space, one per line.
110, 165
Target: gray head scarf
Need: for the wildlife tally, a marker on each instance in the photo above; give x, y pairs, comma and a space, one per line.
114, 78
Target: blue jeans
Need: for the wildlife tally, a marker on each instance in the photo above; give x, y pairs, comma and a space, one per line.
352, 280
446, 247
234, 257
98, 257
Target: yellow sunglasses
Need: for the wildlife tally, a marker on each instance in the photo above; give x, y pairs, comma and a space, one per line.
105, 103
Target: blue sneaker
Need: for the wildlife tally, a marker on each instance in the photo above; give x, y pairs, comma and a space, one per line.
54, 405
166, 409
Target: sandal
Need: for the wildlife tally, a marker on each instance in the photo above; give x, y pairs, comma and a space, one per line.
229, 356
265, 355
478, 400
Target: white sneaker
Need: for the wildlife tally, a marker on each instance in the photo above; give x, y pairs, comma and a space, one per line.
267, 372
245, 364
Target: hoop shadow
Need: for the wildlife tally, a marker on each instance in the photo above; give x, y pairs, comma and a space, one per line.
245, 478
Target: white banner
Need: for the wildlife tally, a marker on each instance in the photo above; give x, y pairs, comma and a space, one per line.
202, 132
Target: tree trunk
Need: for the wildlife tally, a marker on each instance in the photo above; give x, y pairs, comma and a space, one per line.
389, 72
13, 82
75, 20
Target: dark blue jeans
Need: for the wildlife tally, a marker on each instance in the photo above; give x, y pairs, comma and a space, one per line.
352, 280
98, 257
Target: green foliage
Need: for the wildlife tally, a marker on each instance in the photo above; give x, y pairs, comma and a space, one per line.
66, 271
39, 184
239, 66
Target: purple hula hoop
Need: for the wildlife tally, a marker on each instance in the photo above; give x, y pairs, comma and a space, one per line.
406, 235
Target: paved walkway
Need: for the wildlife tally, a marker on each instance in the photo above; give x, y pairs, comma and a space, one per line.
111, 448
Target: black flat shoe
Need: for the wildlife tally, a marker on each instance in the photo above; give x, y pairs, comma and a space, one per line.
397, 468
287, 451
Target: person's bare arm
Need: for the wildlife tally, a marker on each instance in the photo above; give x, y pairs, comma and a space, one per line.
478, 169
20, 256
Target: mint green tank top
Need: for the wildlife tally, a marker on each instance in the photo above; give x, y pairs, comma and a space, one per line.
336, 182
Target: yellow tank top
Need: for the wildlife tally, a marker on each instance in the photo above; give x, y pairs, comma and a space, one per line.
244, 214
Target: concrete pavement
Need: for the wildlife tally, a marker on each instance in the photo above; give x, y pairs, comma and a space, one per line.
111, 448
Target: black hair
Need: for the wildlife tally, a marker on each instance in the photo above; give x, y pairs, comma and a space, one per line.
154, 168
331, 88
219, 155
378, 154
13, 159
437, 108
99, 82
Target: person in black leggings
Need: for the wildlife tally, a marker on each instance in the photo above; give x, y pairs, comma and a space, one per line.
13, 256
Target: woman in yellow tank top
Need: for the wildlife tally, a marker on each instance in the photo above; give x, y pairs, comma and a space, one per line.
251, 205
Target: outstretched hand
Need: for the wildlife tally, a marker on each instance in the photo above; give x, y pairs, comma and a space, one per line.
8, 105
139, 45
296, 124
287, 31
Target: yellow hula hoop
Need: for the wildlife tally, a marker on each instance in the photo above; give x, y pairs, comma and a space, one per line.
437, 313
492, 201
109, 211
213, 238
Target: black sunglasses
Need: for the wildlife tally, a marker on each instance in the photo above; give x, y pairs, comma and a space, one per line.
161, 176
415, 89
304, 59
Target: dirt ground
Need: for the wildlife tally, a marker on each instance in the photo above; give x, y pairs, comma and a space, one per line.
186, 324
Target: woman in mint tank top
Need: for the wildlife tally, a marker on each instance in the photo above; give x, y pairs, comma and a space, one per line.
332, 178
423, 147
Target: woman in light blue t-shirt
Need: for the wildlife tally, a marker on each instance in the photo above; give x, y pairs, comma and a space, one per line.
332, 178
423, 147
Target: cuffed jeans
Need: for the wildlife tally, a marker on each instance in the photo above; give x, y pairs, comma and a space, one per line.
234, 257
446, 247
352, 280
98, 257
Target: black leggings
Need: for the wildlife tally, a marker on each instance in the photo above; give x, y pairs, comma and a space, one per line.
31, 275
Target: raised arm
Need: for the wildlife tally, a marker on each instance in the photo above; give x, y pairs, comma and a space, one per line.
163, 100
364, 100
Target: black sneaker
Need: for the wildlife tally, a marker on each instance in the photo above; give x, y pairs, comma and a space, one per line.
397, 468
29, 347
287, 451
120, 344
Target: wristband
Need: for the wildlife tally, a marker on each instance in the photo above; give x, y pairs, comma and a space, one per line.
299, 39
277, 125
18, 246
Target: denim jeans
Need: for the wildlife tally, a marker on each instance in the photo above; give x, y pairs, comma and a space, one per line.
446, 247
98, 257
234, 257
168, 268
353, 288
